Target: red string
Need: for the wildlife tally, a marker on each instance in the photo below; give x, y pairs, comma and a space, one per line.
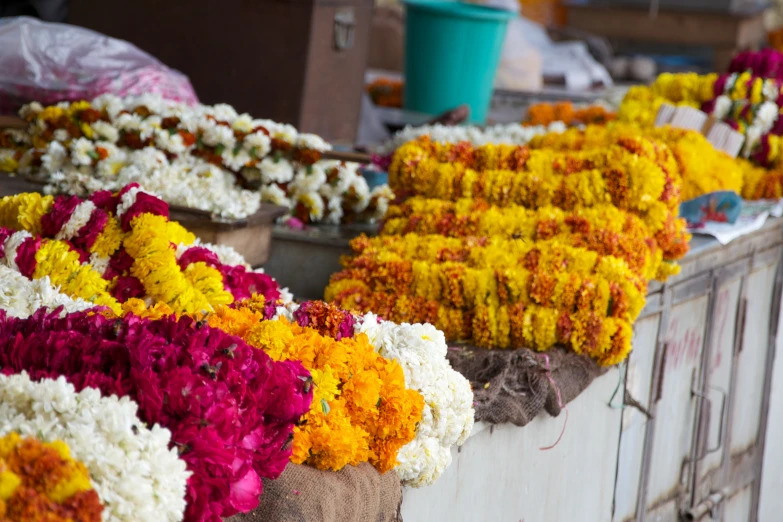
559, 402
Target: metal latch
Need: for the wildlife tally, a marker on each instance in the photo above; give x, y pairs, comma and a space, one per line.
344, 28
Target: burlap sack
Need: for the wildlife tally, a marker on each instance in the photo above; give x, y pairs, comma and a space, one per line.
515, 385
306, 494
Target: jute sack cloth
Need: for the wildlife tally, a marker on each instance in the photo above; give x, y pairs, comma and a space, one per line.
306, 494
515, 385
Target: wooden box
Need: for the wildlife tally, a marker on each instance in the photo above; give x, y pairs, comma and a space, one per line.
251, 237
296, 61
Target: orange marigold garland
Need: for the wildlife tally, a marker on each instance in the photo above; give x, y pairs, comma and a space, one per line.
41, 482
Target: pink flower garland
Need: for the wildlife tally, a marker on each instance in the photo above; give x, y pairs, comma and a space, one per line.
230, 408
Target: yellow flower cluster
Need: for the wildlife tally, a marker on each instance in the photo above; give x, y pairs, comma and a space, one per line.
641, 103
761, 183
361, 410
155, 265
65, 270
24, 211
703, 169
149, 242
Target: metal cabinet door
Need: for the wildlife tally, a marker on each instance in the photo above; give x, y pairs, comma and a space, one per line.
749, 389
638, 383
675, 406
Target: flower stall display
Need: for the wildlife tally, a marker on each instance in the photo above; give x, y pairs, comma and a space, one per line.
378, 395
41, 481
510, 246
203, 157
131, 467
230, 409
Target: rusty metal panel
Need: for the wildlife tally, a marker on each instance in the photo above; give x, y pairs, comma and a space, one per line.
638, 383
675, 404
771, 499
738, 507
501, 474
718, 380
750, 360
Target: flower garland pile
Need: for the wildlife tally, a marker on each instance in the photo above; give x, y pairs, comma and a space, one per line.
703, 168
324, 439
191, 156
135, 474
361, 410
112, 247
41, 481
230, 409
549, 113
541, 247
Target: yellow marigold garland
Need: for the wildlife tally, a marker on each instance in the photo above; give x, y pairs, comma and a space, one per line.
56, 260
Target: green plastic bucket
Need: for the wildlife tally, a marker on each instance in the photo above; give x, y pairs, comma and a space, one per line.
452, 51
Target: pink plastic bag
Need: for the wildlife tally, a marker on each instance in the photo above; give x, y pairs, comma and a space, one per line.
49, 63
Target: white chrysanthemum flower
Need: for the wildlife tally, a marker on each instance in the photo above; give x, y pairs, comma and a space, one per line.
722, 107
83, 152
448, 415
55, 157
360, 192
219, 135
78, 218
380, 197
766, 116
222, 112
128, 122
109, 102
135, 474
312, 142
236, 161
30, 109
276, 171
308, 179
313, 203
170, 142
275, 195
257, 144
149, 127
335, 214
770, 90
243, 123
105, 131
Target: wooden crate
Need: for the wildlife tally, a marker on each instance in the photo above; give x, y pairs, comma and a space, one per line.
251, 237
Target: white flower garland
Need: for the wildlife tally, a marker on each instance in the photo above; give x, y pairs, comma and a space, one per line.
175, 171
448, 414
135, 474
513, 133
21, 297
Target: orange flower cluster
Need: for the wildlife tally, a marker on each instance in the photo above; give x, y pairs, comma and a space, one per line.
361, 409
386, 92
547, 113
40, 482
